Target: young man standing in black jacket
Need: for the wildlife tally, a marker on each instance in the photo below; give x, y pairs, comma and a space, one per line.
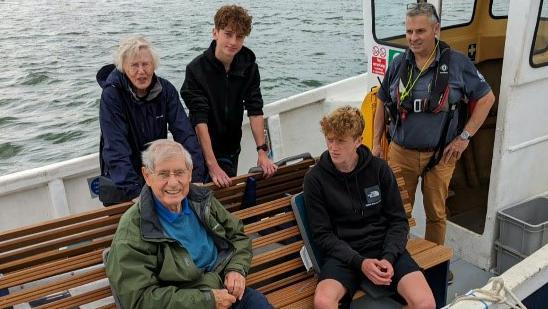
218, 85
357, 219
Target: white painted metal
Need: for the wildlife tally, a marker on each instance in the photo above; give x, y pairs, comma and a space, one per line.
518, 171
522, 279
61, 189
47, 192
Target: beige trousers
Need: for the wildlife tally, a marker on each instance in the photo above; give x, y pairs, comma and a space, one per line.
435, 186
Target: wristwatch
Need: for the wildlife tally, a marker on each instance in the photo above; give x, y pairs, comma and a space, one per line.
465, 135
263, 147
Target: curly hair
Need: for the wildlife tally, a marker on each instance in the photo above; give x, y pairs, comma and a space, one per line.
235, 17
342, 122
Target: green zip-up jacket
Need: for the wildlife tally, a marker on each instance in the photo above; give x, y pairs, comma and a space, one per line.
148, 269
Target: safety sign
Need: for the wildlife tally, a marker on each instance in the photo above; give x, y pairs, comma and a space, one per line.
378, 65
393, 53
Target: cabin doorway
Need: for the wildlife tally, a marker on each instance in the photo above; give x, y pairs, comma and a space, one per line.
469, 188
483, 41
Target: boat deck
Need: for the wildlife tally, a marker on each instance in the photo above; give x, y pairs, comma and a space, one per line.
466, 278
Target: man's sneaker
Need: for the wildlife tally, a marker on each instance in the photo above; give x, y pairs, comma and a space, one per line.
450, 277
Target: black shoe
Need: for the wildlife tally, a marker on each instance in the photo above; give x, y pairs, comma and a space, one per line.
449, 278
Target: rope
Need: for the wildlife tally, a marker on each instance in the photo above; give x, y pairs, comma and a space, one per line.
493, 295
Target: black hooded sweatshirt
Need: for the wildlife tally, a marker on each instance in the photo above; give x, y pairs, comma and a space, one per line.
218, 98
356, 215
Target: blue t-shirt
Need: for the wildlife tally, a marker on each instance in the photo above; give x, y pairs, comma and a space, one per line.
423, 130
189, 233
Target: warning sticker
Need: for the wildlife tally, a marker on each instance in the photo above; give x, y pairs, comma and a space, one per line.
378, 65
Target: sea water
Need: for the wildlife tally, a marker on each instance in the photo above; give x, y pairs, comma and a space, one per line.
52, 50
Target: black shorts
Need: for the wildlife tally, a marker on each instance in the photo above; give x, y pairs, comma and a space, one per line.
351, 279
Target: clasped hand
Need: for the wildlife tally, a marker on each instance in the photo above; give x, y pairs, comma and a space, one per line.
380, 272
234, 290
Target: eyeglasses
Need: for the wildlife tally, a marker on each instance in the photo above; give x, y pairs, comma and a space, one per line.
164, 175
423, 7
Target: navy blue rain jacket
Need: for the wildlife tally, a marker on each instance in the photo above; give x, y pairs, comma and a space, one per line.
128, 124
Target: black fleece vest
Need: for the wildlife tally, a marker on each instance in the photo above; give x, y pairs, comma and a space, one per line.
439, 93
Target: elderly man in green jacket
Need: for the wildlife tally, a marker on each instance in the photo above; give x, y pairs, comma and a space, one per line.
178, 247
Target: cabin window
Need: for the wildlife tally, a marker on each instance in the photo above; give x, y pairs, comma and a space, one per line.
457, 13
389, 18
539, 50
499, 8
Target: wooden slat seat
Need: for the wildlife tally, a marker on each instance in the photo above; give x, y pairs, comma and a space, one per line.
66, 254
60, 254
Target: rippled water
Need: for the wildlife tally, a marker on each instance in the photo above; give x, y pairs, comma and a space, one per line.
51, 51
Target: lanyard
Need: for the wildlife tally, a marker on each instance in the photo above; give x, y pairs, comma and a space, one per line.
407, 90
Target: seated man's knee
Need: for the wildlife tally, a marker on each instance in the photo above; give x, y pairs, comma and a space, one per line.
328, 294
425, 302
414, 288
323, 301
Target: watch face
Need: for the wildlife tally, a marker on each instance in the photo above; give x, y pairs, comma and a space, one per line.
465, 135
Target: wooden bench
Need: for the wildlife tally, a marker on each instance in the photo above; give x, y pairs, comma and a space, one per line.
66, 254
52, 257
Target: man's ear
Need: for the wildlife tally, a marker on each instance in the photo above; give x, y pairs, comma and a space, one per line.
437, 30
358, 142
214, 33
146, 174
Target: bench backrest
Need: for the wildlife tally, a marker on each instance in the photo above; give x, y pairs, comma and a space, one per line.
70, 248
59, 239
256, 189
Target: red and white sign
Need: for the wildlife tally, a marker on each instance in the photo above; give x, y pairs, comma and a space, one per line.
378, 65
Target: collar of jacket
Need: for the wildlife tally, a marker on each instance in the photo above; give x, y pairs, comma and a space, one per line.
152, 93
243, 59
151, 229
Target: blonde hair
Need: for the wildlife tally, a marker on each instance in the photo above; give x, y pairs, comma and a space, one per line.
131, 46
342, 122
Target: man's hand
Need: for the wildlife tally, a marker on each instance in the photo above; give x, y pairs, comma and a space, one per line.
454, 149
218, 176
223, 300
235, 284
380, 272
377, 151
264, 162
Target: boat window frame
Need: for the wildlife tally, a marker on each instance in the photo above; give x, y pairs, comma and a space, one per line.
384, 40
532, 51
496, 16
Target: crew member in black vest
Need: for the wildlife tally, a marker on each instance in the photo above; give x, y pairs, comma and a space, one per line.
425, 92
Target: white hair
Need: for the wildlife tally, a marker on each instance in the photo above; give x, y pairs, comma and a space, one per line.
131, 46
163, 149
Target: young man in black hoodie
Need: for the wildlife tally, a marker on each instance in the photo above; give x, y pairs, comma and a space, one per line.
357, 219
218, 85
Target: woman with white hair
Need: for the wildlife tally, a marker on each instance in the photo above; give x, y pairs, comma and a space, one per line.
137, 107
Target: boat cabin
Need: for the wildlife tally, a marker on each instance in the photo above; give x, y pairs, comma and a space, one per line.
503, 164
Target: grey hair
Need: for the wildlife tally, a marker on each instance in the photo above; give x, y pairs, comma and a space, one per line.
129, 47
163, 149
423, 9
